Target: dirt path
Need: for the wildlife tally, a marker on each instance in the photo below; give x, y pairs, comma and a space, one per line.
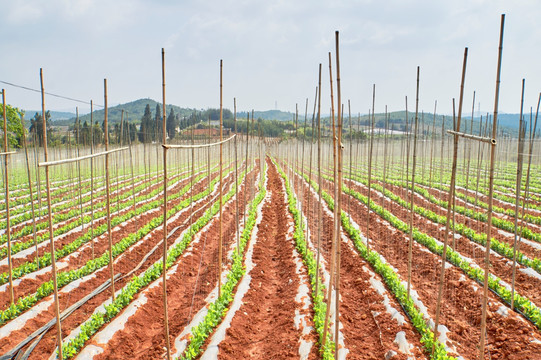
264, 327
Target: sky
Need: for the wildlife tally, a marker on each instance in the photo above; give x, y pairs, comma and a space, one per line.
271, 51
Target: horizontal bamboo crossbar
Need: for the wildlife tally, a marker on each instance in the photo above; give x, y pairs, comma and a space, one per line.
65, 161
473, 137
171, 146
8, 153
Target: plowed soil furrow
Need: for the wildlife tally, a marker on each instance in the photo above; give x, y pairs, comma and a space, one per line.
502, 267
123, 265
369, 330
187, 288
508, 336
264, 327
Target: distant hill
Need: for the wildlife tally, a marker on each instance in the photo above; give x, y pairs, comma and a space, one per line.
55, 115
133, 110
508, 123
269, 115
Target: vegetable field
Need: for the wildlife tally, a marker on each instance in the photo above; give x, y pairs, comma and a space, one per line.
409, 245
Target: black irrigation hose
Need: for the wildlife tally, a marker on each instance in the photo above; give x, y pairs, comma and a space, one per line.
15, 352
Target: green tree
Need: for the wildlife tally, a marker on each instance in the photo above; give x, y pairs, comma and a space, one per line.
15, 126
145, 131
158, 128
36, 126
171, 125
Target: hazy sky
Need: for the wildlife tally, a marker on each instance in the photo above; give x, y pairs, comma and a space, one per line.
271, 51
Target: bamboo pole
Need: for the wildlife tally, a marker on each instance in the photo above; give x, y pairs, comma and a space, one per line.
6, 184
338, 199
319, 215
92, 179
108, 193
490, 195
221, 185
50, 219
521, 135
449, 203
412, 197
370, 166
79, 169
236, 180
164, 271
34, 231
333, 238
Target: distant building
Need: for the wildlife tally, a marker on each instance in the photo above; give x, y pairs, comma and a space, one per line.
204, 133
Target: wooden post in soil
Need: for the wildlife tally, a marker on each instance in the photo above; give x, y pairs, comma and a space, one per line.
432, 143
246, 181
6, 184
77, 122
449, 202
319, 206
131, 168
333, 237
236, 178
34, 231
410, 244
521, 135
338, 199
385, 158
108, 193
310, 160
92, 179
221, 190
370, 166
490, 195
164, 260
350, 154
532, 138
50, 220
468, 151
296, 153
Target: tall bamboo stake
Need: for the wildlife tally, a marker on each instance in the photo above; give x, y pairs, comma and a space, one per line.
490, 195
370, 166
50, 219
164, 270
6, 184
410, 245
221, 190
319, 215
449, 202
432, 143
335, 217
108, 193
79, 169
92, 179
338, 199
34, 231
236, 179
521, 134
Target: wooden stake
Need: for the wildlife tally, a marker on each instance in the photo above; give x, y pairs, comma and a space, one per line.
338, 200
6, 184
164, 271
108, 193
319, 207
50, 219
410, 245
92, 179
31, 192
490, 195
521, 135
236, 180
333, 238
370, 166
221, 190
449, 203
